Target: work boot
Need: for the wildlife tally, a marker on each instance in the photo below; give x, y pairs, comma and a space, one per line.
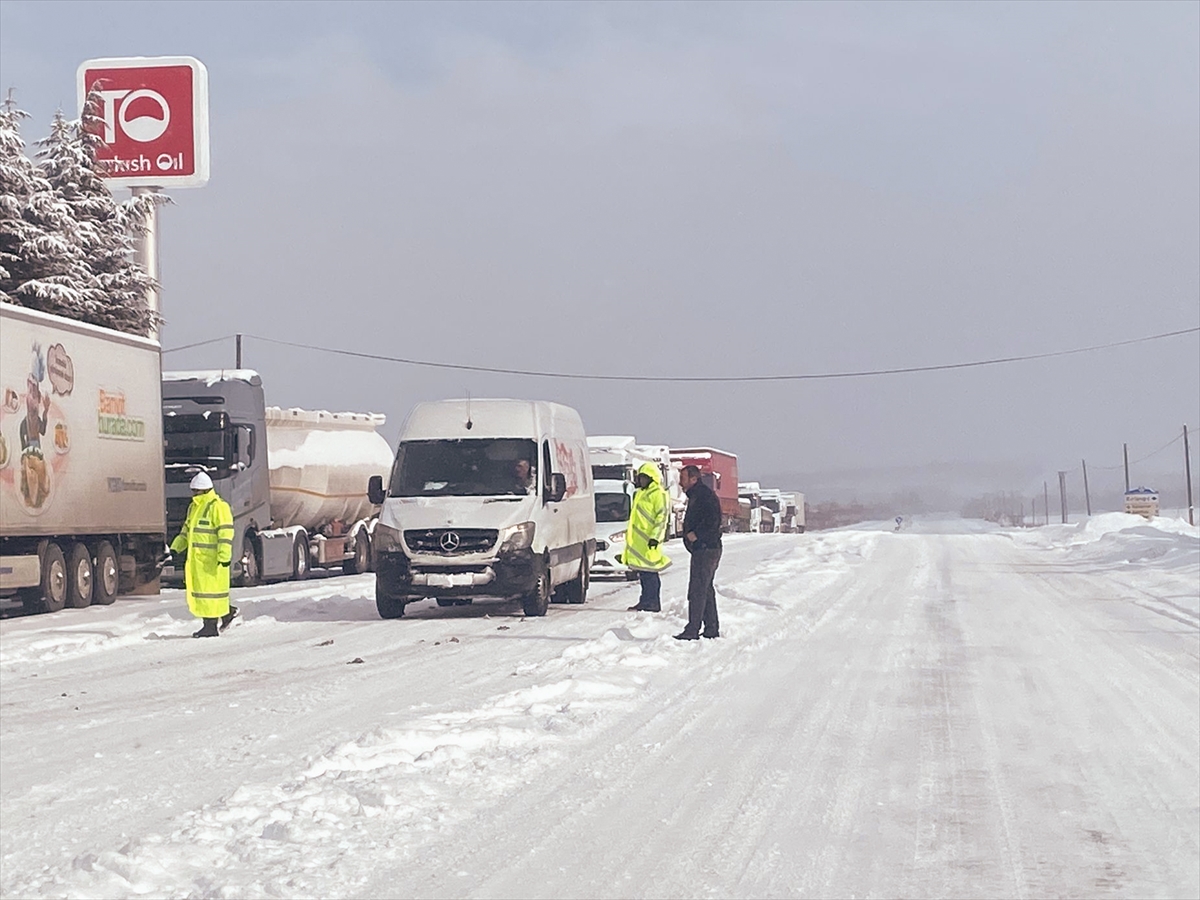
686, 636
209, 629
228, 617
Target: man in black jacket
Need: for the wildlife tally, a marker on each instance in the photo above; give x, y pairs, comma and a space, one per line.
702, 538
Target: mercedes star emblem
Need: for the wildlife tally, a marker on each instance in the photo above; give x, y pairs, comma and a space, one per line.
449, 541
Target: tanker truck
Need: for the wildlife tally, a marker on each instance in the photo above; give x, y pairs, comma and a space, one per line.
81, 462
295, 479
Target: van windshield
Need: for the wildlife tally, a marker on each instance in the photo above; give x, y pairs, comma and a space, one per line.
477, 467
612, 507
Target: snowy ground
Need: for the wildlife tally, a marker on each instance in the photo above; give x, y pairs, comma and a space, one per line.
948, 711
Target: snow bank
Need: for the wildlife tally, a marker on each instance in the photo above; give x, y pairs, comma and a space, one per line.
1117, 539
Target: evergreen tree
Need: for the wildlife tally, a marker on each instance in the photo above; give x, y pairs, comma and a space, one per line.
66, 246
115, 295
35, 246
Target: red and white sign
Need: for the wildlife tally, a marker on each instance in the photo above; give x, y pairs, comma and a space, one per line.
154, 119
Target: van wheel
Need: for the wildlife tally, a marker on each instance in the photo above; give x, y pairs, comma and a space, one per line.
107, 578
389, 607
537, 603
361, 560
80, 577
300, 558
446, 601
579, 587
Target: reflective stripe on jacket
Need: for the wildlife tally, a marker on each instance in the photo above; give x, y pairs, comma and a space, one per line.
207, 536
648, 516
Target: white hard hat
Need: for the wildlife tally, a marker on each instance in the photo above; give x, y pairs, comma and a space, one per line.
202, 482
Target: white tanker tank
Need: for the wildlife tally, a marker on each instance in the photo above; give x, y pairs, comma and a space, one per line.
320, 463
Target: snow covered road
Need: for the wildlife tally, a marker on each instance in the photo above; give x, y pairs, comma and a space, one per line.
949, 711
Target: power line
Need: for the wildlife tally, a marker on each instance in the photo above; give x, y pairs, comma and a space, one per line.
1134, 462
706, 379
215, 340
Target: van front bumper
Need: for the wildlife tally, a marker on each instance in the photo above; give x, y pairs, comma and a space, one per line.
503, 577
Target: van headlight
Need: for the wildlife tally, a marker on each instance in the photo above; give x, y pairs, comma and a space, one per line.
517, 537
617, 537
387, 540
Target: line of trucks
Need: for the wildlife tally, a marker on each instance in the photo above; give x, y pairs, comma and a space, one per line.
497, 499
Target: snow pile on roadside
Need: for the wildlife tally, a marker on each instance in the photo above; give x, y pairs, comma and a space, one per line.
393, 790
1117, 539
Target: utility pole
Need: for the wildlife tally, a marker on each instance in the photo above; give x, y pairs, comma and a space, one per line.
1062, 494
1087, 496
1046, 501
1187, 469
1125, 447
239, 351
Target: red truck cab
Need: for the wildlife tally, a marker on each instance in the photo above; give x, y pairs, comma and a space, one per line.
719, 470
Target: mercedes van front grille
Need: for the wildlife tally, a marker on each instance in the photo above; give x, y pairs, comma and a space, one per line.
451, 541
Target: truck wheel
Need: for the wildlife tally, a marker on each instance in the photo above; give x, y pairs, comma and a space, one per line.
251, 571
537, 602
579, 587
79, 577
361, 560
107, 578
300, 558
389, 607
53, 590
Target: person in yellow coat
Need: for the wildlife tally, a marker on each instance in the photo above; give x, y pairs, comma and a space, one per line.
207, 540
645, 534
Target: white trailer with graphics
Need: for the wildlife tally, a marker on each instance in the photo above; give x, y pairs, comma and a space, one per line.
81, 462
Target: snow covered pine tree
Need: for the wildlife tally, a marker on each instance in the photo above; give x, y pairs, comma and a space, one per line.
65, 244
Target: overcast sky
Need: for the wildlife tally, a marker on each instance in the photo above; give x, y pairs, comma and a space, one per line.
678, 189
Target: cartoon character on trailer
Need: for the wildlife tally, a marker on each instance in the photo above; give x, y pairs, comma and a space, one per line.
35, 477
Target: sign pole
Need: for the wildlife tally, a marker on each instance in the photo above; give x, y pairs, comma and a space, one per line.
147, 253
1187, 469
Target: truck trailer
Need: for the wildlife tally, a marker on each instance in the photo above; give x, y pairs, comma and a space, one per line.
295, 479
81, 462
719, 470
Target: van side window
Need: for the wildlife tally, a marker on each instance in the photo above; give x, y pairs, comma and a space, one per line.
547, 470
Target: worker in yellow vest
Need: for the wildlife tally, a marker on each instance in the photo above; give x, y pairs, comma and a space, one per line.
645, 534
207, 541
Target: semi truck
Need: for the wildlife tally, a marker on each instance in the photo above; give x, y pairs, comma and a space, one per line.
295, 480
793, 519
773, 511
750, 497
81, 462
719, 470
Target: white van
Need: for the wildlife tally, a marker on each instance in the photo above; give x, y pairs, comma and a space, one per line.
487, 499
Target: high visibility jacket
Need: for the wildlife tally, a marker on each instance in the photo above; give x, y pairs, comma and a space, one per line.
647, 521
207, 536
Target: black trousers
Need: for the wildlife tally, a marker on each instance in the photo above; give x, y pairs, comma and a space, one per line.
702, 596
651, 590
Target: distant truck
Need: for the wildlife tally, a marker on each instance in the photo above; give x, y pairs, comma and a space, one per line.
719, 470
793, 516
81, 462
296, 480
750, 498
773, 510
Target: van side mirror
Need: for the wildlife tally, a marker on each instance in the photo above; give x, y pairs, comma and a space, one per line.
375, 490
558, 487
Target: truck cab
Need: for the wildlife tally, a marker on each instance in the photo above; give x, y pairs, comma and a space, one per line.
215, 422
